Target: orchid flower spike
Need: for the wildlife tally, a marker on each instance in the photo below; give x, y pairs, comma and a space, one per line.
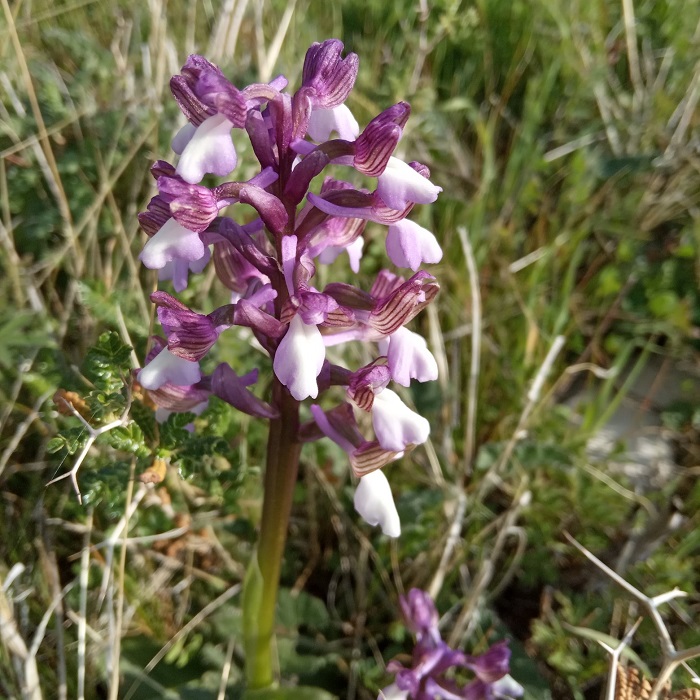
269, 264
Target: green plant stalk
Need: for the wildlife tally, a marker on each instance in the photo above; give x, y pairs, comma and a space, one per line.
262, 579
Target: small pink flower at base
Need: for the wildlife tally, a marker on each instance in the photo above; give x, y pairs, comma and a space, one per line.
299, 359
166, 367
492, 665
323, 122
410, 245
408, 357
421, 615
172, 242
374, 502
209, 150
395, 424
400, 184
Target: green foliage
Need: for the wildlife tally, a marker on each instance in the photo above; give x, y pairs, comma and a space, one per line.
19, 335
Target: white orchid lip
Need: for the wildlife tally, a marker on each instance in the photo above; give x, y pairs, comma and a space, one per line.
208, 150
374, 502
299, 359
400, 184
410, 245
171, 242
167, 368
183, 137
408, 357
323, 122
395, 424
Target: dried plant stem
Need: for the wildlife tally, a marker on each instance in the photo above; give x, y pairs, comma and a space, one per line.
93, 434
17, 648
507, 528
632, 51
615, 654
453, 537
115, 646
273, 52
183, 632
533, 396
473, 384
671, 657
54, 181
226, 669
82, 618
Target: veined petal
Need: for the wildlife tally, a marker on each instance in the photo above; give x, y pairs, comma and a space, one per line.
299, 359
374, 502
493, 664
166, 367
229, 387
395, 424
328, 430
329, 76
171, 242
210, 150
420, 614
410, 245
400, 184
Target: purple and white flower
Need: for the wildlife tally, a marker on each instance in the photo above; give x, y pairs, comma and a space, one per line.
269, 264
429, 675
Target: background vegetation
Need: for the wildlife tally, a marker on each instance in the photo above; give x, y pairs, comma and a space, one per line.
566, 138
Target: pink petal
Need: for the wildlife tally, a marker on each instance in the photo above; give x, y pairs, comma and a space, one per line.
410, 245
409, 357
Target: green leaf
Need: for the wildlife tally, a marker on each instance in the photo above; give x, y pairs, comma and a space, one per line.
107, 363
301, 609
145, 418
128, 438
603, 638
55, 445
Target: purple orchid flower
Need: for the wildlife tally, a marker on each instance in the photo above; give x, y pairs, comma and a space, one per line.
270, 263
428, 677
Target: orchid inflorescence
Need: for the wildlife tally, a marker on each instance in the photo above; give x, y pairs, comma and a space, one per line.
269, 262
430, 675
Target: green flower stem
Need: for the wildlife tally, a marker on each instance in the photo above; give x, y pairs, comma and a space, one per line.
262, 580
